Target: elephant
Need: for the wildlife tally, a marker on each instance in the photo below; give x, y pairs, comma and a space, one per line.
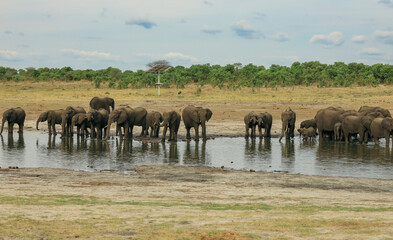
366, 121
308, 123
127, 118
98, 120
102, 102
66, 119
381, 127
123, 117
250, 120
326, 119
307, 133
288, 118
52, 117
172, 120
347, 113
82, 124
13, 115
352, 125
153, 121
195, 116
338, 131
140, 120
265, 120
368, 109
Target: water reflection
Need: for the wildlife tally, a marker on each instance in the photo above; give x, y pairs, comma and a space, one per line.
172, 156
288, 149
295, 156
20, 143
195, 154
98, 147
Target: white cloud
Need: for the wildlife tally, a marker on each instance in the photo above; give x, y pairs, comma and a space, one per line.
280, 37
371, 51
385, 36
94, 54
210, 30
245, 30
9, 55
358, 39
177, 55
332, 39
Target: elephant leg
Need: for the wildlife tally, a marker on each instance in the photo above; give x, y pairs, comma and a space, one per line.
204, 131
54, 129
247, 134
49, 128
387, 137
20, 128
10, 128
164, 133
320, 131
131, 129
151, 131
126, 129
253, 131
196, 128
174, 136
188, 133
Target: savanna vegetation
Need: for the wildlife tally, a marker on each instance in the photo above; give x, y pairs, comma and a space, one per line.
231, 76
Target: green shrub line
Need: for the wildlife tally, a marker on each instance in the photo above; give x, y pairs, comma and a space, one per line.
231, 76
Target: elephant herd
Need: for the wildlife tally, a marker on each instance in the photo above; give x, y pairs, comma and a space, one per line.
333, 122
102, 115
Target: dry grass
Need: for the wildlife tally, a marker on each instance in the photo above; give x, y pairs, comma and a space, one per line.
41, 92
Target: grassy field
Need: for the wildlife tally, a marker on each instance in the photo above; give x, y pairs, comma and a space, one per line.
40, 92
166, 202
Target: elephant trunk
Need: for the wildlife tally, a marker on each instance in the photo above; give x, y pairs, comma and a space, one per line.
204, 130
38, 121
2, 125
283, 130
164, 132
108, 129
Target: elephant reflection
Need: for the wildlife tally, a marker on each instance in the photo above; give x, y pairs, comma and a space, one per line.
98, 146
288, 149
123, 146
173, 156
51, 142
81, 144
67, 145
20, 144
197, 156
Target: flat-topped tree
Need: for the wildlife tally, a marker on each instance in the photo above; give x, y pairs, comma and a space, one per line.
158, 67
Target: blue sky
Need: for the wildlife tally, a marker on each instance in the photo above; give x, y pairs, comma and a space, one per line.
129, 34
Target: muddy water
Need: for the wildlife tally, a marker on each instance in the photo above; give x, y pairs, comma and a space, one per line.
34, 150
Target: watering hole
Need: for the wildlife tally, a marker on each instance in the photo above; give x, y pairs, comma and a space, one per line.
34, 149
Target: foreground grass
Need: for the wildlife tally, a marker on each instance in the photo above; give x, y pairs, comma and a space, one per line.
84, 91
212, 221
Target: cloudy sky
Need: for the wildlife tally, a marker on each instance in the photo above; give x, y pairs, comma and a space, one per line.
127, 34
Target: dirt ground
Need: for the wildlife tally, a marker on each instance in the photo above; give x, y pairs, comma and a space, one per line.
174, 202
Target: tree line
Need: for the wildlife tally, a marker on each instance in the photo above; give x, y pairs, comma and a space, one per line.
230, 76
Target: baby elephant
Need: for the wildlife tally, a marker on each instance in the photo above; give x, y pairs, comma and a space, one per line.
307, 133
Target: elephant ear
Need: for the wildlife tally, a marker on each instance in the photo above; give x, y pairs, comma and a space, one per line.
387, 124
195, 116
209, 114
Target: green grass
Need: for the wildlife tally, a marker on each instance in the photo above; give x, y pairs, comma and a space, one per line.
63, 200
